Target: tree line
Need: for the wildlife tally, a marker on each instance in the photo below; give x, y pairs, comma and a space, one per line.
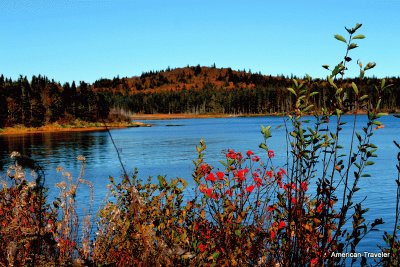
197, 90
209, 90
39, 101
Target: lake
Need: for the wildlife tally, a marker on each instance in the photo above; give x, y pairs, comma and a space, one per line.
168, 148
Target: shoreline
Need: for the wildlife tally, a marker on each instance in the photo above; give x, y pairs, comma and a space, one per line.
57, 128
137, 118
174, 116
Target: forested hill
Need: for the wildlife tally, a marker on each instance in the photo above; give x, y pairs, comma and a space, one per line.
199, 89
196, 89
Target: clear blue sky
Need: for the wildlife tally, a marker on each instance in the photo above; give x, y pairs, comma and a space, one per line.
89, 39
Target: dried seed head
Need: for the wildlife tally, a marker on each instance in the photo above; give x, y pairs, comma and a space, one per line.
15, 154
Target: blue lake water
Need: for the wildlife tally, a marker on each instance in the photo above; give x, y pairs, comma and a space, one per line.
168, 148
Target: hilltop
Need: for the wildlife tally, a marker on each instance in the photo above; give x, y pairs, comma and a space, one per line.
203, 90
190, 77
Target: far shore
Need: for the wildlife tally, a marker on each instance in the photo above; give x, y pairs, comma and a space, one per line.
173, 116
81, 127
136, 118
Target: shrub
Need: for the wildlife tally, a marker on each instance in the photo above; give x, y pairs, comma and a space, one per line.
247, 212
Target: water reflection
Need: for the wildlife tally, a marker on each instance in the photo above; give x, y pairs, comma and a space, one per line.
50, 149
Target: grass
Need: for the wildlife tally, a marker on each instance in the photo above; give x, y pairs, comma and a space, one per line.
75, 126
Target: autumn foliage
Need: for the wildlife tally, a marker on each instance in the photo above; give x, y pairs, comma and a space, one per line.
247, 211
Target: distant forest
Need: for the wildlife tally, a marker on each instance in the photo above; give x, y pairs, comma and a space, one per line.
40, 101
194, 89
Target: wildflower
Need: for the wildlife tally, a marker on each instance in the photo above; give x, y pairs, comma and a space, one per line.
241, 174
282, 225
215, 196
314, 262
202, 247
205, 169
250, 188
208, 234
330, 205
255, 158
270, 173
220, 175
231, 154
272, 234
229, 192
304, 186
258, 181
287, 187
320, 207
249, 153
211, 177
271, 154
271, 208
293, 200
208, 192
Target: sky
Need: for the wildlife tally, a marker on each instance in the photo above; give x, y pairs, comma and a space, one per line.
87, 40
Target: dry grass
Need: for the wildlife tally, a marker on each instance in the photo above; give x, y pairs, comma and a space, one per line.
78, 126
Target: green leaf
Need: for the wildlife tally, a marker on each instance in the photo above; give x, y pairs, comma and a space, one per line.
354, 88
378, 105
215, 255
361, 74
340, 38
363, 97
161, 181
370, 65
360, 36
339, 67
383, 83
358, 136
352, 46
331, 82
237, 232
313, 93
382, 114
358, 25
263, 146
325, 66
369, 163
308, 108
292, 91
